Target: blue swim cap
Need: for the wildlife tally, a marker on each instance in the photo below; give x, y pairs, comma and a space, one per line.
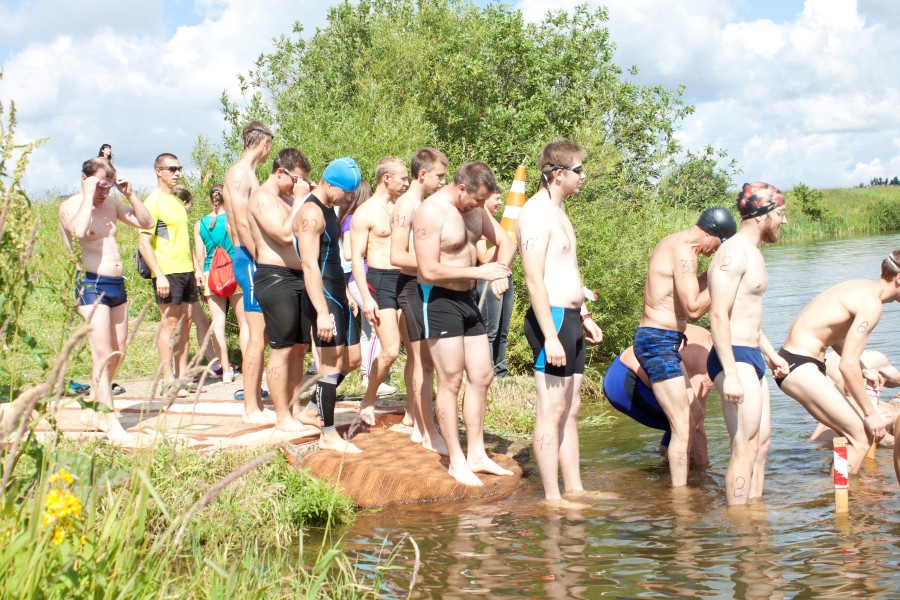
343, 173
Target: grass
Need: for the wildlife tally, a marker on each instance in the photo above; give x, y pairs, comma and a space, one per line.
113, 535
851, 212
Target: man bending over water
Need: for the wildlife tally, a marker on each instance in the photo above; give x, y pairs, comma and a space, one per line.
674, 294
841, 318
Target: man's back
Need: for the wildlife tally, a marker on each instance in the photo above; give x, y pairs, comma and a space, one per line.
826, 320
240, 183
661, 306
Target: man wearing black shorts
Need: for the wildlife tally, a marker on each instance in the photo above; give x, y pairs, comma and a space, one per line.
278, 281
429, 170
445, 229
166, 248
370, 237
318, 232
557, 315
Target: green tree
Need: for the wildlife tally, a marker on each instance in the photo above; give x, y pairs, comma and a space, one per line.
811, 202
698, 181
385, 77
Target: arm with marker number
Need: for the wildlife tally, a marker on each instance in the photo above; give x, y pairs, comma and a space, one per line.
868, 314
533, 233
725, 275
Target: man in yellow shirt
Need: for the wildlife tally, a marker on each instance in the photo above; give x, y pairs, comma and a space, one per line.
167, 250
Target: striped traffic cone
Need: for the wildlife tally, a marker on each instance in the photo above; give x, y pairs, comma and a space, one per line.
514, 202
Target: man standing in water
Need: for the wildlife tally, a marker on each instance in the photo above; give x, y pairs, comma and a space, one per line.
558, 313
429, 170
673, 295
446, 227
841, 317
370, 237
90, 218
240, 182
737, 363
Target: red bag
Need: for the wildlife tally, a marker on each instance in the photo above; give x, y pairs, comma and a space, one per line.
221, 274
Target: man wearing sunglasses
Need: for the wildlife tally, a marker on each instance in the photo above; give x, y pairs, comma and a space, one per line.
558, 314
278, 280
674, 295
91, 219
166, 248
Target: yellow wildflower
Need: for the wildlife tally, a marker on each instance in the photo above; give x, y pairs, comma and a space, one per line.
58, 536
62, 475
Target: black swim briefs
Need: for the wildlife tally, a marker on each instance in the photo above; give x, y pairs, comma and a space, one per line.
410, 301
796, 360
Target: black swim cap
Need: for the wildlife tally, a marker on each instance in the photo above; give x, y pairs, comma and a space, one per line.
717, 221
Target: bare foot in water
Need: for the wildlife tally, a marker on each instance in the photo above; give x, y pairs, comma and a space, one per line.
333, 441
259, 417
435, 444
465, 476
590, 495
563, 504
310, 416
289, 424
486, 465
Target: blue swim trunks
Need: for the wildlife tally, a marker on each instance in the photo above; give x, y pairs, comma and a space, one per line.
657, 351
631, 396
89, 287
244, 270
745, 354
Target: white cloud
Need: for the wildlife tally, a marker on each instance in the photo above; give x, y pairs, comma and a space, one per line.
804, 97
809, 98
83, 80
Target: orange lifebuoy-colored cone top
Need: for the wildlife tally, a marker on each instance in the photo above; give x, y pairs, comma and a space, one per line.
514, 202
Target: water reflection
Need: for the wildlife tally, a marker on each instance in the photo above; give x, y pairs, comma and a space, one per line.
653, 541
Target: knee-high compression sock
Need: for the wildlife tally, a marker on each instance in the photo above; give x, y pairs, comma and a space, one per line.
341, 378
326, 397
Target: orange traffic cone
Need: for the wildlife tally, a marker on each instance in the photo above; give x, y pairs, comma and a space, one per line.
514, 202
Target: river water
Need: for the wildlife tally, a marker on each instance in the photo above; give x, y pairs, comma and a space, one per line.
652, 541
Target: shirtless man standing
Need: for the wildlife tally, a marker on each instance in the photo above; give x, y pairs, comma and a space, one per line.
429, 170
841, 318
278, 281
370, 237
446, 227
318, 233
673, 294
556, 317
240, 182
737, 363
90, 218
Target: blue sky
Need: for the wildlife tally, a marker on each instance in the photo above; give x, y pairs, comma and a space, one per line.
794, 90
